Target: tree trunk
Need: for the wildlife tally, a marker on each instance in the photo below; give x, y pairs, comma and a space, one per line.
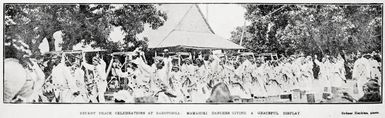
51, 42
35, 47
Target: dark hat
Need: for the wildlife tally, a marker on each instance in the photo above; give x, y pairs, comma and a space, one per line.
372, 85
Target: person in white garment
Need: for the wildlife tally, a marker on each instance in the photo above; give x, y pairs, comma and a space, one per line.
80, 80
246, 70
162, 81
361, 74
296, 66
337, 75
76, 82
201, 70
323, 74
374, 68
176, 84
98, 68
307, 73
144, 76
60, 76
259, 81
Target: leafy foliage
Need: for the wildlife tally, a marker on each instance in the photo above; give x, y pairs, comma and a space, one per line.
312, 29
87, 23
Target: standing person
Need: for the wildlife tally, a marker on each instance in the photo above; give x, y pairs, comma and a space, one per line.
296, 67
176, 83
161, 81
323, 76
76, 82
60, 76
187, 67
337, 75
144, 75
98, 68
341, 69
259, 80
334, 75
307, 73
201, 70
246, 70
361, 74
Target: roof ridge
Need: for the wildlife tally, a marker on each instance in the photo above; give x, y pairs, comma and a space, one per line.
207, 23
175, 26
182, 19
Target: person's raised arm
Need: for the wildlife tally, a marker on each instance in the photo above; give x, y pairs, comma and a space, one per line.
142, 66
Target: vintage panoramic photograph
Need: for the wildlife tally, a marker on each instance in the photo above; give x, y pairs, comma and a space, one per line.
86, 53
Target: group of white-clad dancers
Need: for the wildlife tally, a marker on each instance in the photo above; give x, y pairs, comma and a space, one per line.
69, 81
192, 81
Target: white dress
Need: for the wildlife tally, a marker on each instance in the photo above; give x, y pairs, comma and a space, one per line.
337, 74
259, 83
60, 76
360, 74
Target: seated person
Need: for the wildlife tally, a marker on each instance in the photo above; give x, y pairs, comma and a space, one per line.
371, 93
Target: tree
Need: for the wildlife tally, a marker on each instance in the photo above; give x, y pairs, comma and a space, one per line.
79, 22
312, 29
33, 23
265, 20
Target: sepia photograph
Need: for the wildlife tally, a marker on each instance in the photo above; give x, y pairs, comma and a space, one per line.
192, 53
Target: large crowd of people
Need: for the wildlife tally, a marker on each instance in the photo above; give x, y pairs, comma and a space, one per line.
193, 80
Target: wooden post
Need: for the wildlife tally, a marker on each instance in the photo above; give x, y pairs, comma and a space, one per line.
144, 57
179, 60
194, 55
108, 70
243, 31
254, 57
81, 65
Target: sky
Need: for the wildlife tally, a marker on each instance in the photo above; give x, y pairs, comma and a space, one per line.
223, 19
